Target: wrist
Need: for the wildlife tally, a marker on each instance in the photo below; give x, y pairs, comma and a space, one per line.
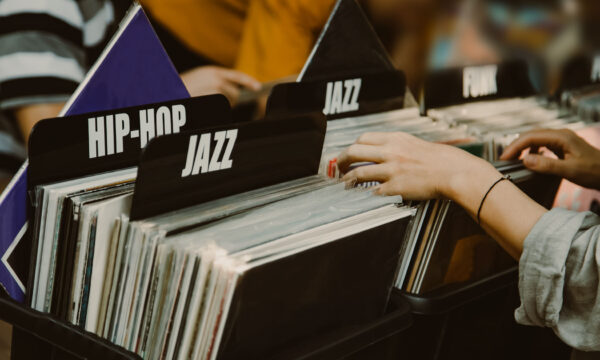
466, 187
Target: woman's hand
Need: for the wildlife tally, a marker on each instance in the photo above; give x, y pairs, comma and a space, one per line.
207, 80
419, 170
577, 161
414, 168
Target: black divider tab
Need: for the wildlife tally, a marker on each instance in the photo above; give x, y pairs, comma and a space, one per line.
339, 97
474, 83
581, 71
347, 47
348, 73
65, 148
190, 168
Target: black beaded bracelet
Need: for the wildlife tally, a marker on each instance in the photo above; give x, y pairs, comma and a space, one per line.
505, 177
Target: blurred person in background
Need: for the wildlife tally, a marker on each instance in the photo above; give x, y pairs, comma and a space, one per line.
47, 47
202, 39
218, 46
545, 33
45, 50
228, 46
271, 40
279, 35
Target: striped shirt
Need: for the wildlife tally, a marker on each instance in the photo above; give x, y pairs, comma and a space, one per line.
46, 47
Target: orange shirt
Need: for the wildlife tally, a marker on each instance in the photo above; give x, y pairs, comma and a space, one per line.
279, 36
211, 28
267, 39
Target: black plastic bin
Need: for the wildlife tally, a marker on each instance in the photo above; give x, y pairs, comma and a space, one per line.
40, 336
381, 339
477, 322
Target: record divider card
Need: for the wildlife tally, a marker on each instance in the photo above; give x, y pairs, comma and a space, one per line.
463, 85
348, 73
339, 97
194, 167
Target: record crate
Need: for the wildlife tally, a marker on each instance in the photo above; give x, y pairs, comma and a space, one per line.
40, 336
37, 335
382, 339
477, 322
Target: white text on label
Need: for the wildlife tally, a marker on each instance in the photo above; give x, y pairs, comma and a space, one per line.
106, 134
479, 81
209, 152
596, 69
342, 96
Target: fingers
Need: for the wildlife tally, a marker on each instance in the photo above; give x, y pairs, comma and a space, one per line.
373, 138
359, 153
555, 140
545, 165
231, 91
208, 80
388, 189
368, 173
241, 79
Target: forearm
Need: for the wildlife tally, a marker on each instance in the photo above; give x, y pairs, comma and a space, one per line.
28, 116
507, 214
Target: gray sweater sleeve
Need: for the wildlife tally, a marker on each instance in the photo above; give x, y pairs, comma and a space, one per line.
559, 277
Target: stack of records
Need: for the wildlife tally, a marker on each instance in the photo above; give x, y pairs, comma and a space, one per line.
451, 250
496, 102
74, 231
579, 91
499, 122
76, 202
190, 285
584, 102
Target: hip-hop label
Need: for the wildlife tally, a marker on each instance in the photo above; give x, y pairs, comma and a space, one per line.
107, 134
